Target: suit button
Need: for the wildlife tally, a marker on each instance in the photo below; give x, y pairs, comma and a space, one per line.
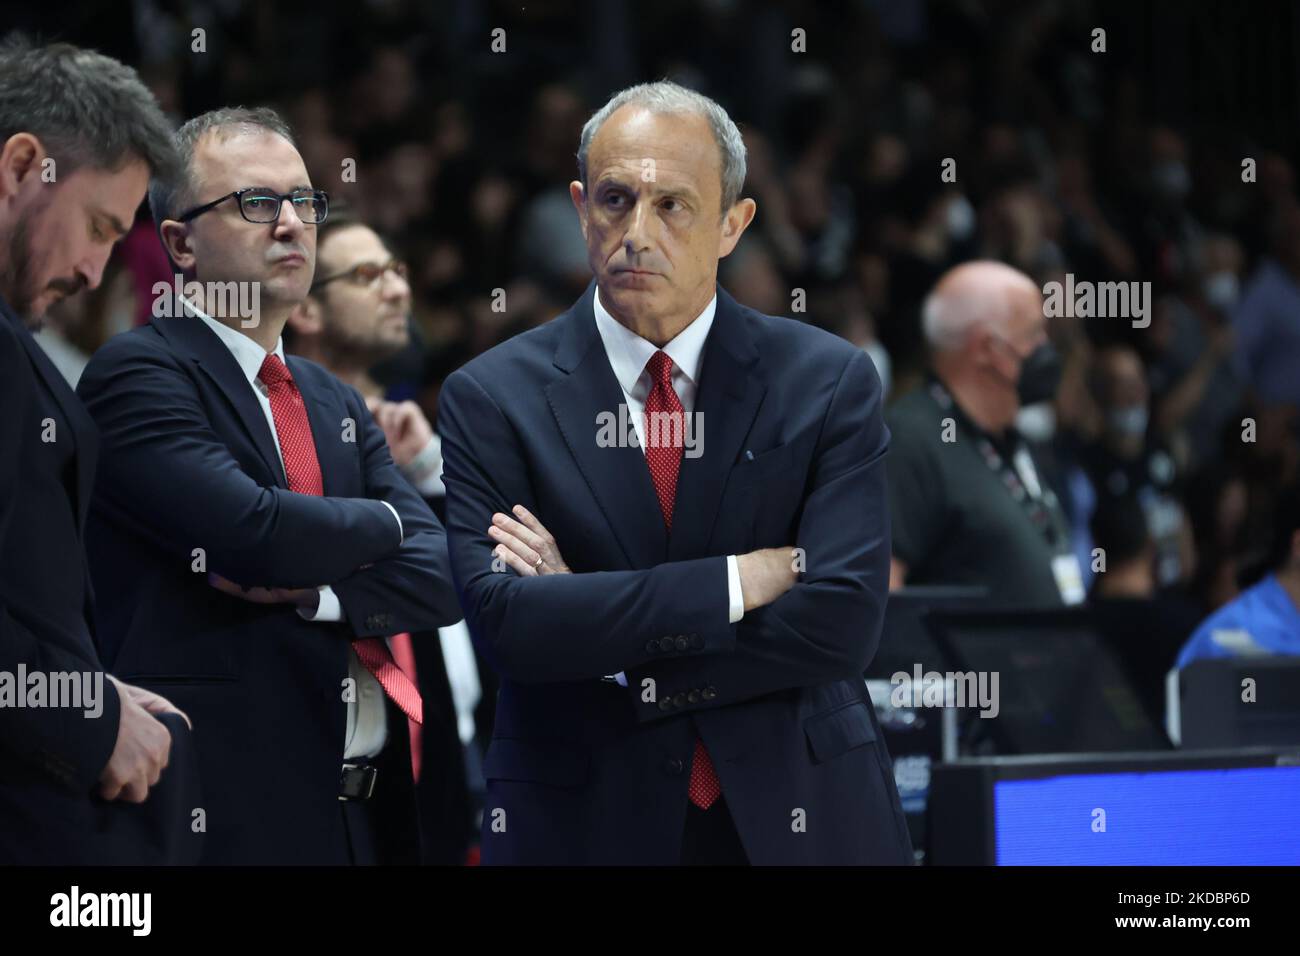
709, 693
697, 642
673, 766
666, 703
682, 643
665, 643
679, 700
652, 646
693, 697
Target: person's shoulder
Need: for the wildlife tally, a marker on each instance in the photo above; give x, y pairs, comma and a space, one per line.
141, 342
15, 367
526, 358
915, 407
794, 340
1222, 624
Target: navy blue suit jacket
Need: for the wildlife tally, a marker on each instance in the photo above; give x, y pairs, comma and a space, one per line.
189, 463
581, 770
51, 757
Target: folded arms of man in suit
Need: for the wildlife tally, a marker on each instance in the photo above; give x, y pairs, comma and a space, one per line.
163, 460
579, 626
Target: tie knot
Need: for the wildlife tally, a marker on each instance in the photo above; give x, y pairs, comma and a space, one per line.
661, 369
274, 371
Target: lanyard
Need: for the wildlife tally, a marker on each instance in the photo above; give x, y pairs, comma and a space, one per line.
1038, 505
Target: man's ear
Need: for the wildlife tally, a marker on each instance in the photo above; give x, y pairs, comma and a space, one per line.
734, 223
306, 319
21, 156
579, 197
175, 238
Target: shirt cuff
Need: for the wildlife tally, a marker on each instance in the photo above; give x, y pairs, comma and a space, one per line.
425, 470
400, 530
735, 596
328, 608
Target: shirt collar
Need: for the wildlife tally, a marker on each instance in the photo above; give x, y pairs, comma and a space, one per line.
248, 354
628, 352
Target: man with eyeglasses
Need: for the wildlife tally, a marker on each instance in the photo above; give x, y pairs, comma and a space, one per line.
356, 316
251, 538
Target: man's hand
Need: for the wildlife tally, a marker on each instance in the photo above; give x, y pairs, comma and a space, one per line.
405, 428
527, 547
765, 575
302, 597
143, 745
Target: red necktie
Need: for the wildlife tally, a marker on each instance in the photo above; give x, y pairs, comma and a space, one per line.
404, 656
665, 428
302, 471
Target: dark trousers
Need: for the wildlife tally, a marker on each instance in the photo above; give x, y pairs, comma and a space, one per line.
383, 831
710, 837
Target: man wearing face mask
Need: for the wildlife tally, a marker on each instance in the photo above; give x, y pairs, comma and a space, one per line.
1129, 458
968, 504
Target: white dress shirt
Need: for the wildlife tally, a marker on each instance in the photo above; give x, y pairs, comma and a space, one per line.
367, 724
628, 356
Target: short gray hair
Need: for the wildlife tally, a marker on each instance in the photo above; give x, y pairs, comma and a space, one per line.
168, 194
87, 109
955, 308
667, 97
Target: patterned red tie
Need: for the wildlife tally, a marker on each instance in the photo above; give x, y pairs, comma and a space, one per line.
302, 471
665, 428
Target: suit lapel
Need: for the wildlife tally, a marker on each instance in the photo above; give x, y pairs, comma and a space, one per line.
85, 437
326, 413
189, 335
618, 476
726, 402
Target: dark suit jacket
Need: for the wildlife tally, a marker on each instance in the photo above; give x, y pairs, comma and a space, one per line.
189, 463
51, 758
581, 770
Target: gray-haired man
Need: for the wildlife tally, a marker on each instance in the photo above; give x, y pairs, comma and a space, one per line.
626, 486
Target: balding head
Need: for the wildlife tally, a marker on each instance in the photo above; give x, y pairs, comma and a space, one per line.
982, 294
984, 322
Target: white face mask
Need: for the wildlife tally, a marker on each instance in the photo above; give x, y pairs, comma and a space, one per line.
1129, 421
960, 216
1222, 290
1037, 422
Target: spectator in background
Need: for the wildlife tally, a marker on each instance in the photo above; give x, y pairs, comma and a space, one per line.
1195, 389
356, 315
967, 505
1128, 457
1265, 618
1268, 333
1144, 625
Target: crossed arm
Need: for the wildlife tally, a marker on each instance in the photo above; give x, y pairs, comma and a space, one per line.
169, 477
540, 623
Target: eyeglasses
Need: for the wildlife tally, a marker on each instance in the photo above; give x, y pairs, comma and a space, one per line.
262, 205
366, 273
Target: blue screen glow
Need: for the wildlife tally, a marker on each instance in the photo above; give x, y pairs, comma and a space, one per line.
1241, 817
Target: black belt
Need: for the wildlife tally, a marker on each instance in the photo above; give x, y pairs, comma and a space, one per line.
357, 781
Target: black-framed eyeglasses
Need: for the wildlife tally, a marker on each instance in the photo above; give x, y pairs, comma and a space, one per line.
367, 272
263, 205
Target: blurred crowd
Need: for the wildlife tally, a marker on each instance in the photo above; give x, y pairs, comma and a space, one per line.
462, 156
